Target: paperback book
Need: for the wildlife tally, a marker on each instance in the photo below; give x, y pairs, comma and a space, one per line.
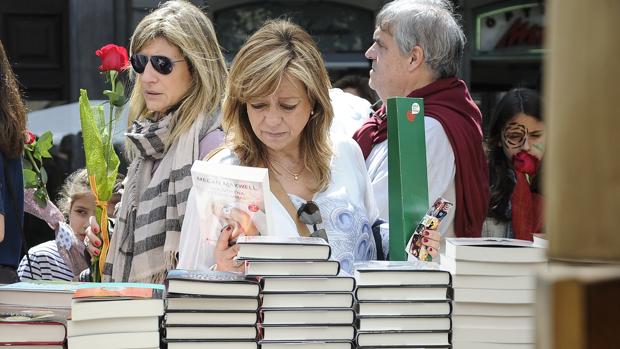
210, 283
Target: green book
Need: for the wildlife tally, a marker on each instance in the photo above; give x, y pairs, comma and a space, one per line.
407, 181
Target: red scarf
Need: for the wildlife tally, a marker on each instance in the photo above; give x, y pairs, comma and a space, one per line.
526, 206
449, 102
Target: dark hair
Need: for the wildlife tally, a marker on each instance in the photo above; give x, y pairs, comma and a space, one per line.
12, 111
515, 101
360, 84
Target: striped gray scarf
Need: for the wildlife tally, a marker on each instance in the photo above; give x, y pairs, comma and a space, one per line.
145, 244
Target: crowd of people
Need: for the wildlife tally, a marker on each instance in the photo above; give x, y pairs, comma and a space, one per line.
274, 108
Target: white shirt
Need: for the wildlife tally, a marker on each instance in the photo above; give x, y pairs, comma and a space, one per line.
347, 208
440, 171
350, 112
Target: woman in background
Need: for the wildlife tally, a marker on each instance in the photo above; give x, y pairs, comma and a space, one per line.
516, 145
12, 138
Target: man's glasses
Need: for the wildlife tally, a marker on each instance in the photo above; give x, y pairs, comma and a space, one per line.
161, 64
309, 213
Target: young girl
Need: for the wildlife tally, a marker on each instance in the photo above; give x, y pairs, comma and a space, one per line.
516, 145
64, 258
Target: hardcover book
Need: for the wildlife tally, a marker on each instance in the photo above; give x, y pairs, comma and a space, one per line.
291, 268
404, 323
221, 189
210, 344
307, 300
31, 328
343, 282
400, 308
116, 302
462, 267
494, 250
397, 273
211, 332
283, 247
403, 293
407, 178
306, 345
493, 309
134, 340
308, 316
112, 325
296, 333
175, 301
210, 283
238, 318
423, 339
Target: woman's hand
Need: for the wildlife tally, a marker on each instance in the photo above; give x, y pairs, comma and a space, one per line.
91, 239
240, 221
432, 240
225, 254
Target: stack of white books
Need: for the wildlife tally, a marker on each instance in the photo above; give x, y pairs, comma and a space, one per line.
210, 309
403, 304
306, 302
494, 283
115, 317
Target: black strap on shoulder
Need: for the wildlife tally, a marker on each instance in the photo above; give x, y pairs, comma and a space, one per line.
18, 219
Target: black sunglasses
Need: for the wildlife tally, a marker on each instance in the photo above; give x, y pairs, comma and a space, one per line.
161, 64
309, 213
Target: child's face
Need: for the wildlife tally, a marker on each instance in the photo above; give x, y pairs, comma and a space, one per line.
82, 207
524, 133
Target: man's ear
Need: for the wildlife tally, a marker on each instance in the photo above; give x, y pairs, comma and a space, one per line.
416, 58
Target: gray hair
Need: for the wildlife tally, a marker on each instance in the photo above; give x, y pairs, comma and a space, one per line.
430, 24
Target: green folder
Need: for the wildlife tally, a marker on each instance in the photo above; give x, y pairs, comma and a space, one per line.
407, 180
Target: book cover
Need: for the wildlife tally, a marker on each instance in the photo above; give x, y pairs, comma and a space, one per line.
84, 309
211, 332
237, 318
408, 184
211, 283
112, 325
494, 250
396, 273
223, 191
117, 293
342, 282
283, 247
134, 340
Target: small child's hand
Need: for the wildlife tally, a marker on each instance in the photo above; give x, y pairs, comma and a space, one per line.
92, 240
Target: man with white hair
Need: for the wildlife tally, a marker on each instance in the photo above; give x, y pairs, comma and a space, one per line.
417, 49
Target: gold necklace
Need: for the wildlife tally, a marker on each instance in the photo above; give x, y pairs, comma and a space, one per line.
295, 175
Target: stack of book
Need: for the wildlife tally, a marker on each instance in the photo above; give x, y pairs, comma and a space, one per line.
306, 301
210, 309
116, 317
403, 304
494, 283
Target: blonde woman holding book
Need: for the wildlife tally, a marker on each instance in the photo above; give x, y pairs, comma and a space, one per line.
277, 114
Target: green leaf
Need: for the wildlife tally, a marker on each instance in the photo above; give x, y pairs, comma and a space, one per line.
31, 179
45, 143
27, 164
43, 176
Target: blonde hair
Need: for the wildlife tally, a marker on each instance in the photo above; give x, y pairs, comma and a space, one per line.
188, 28
278, 49
75, 185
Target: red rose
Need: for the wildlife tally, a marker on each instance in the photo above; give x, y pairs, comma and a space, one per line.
30, 138
113, 58
525, 162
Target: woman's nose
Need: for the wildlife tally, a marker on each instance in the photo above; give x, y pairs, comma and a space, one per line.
526, 144
149, 74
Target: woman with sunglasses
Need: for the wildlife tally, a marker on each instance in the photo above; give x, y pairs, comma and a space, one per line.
516, 145
180, 76
277, 114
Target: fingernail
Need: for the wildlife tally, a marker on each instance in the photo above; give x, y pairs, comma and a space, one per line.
426, 233
97, 243
95, 229
425, 240
227, 228
96, 252
430, 248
